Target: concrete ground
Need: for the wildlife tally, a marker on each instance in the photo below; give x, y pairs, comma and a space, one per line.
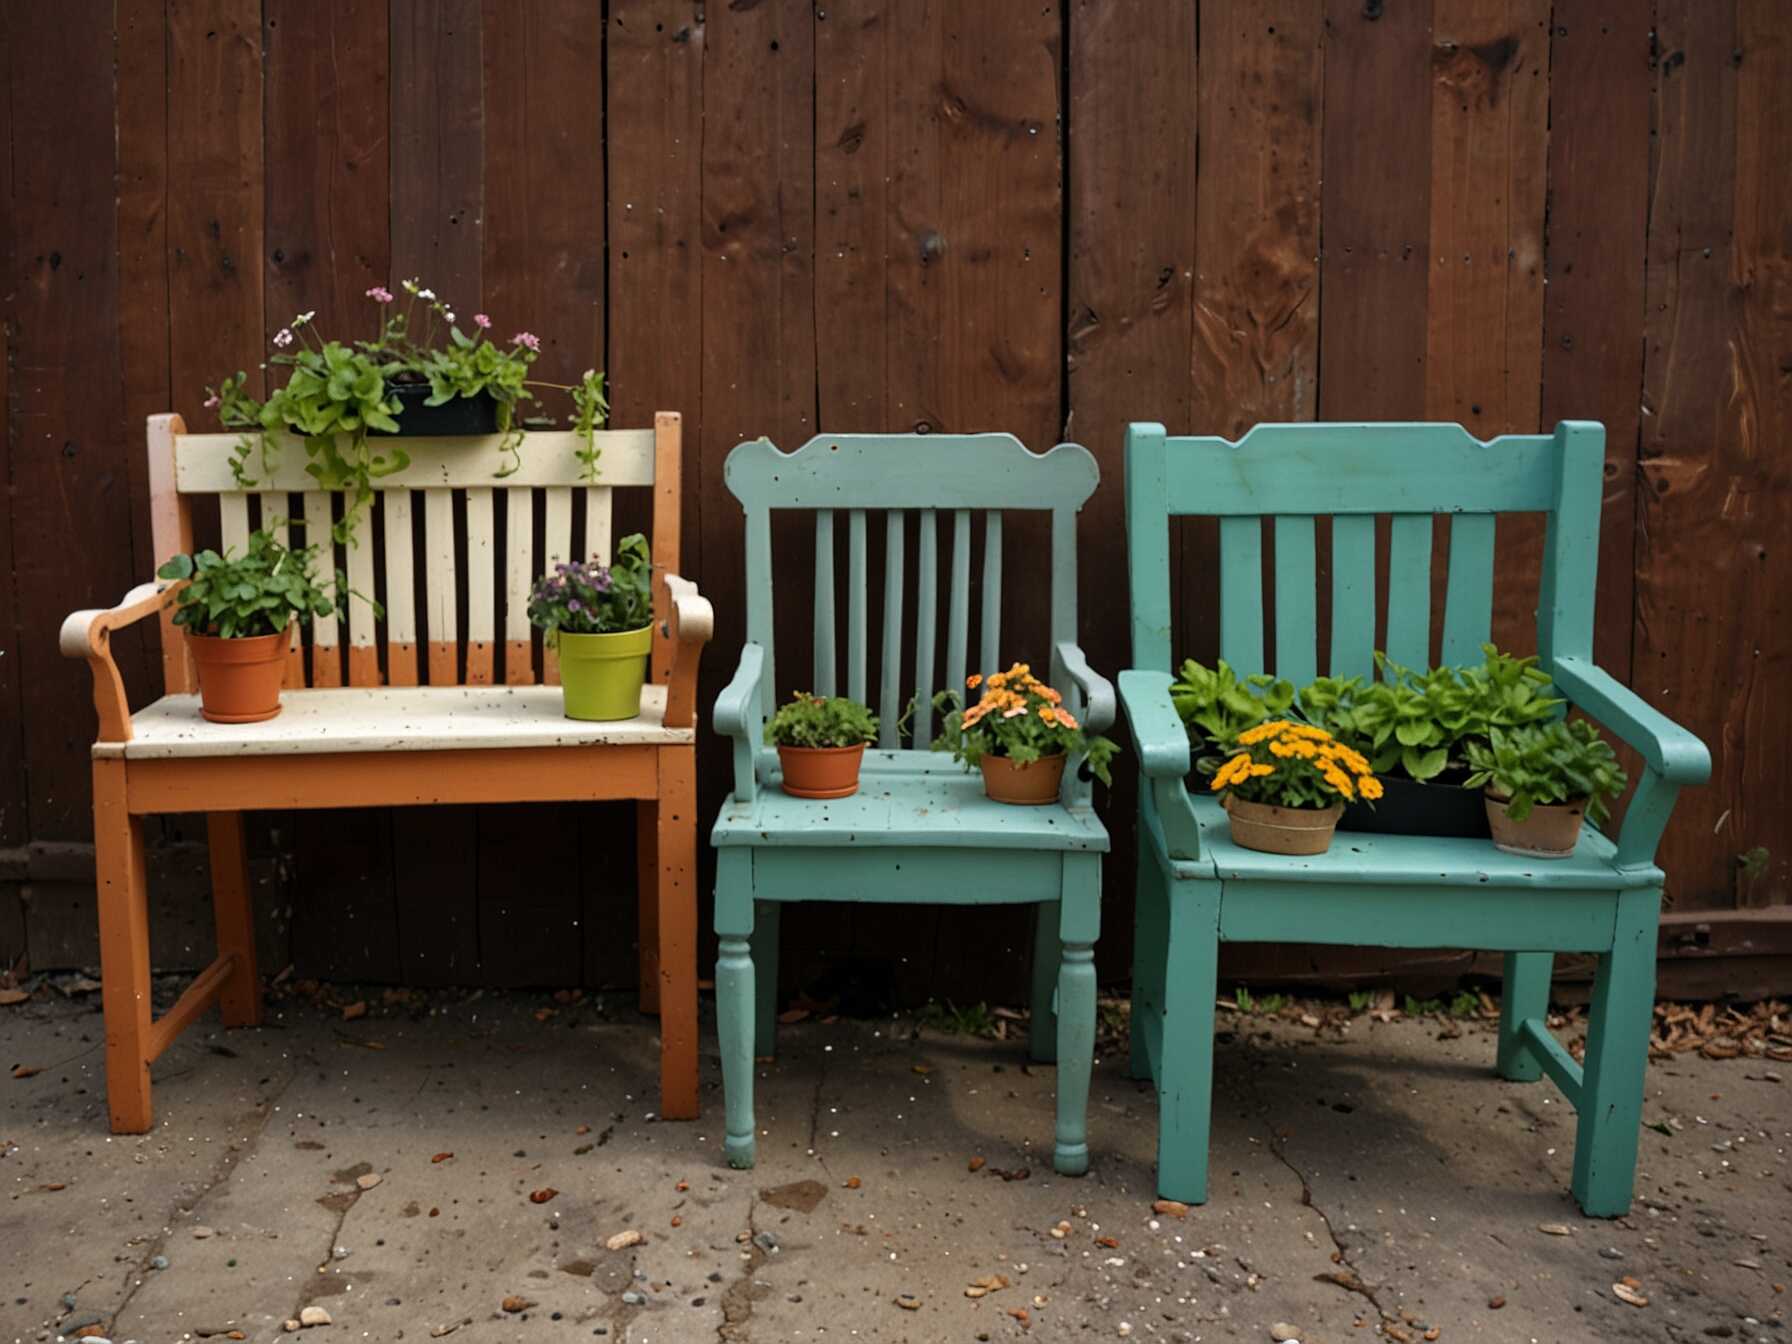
1374, 1184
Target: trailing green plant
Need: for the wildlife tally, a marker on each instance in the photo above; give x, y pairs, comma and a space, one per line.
1019, 717
1217, 704
259, 592
1544, 764
821, 721
592, 598
339, 394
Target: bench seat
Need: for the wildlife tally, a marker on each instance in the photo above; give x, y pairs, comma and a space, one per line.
914, 798
390, 718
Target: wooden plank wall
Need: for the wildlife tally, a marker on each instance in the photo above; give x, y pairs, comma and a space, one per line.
905, 214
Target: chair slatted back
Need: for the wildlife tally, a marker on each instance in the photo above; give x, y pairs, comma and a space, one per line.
947, 481
476, 538
1293, 474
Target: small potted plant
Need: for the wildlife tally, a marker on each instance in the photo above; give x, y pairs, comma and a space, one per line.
1285, 786
600, 619
238, 612
821, 743
1019, 735
1216, 704
1541, 781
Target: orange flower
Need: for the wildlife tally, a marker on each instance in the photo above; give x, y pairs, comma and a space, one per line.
1056, 697
1065, 717
974, 680
1045, 712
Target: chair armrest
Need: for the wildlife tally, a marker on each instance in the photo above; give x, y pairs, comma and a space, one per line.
1673, 756
1096, 690
1162, 743
88, 634
689, 623
1667, 748
737, 716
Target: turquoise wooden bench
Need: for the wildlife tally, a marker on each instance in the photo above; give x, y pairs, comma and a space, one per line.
1196, 889
920, 830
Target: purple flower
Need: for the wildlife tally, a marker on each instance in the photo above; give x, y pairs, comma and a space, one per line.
575, 605
527, 339
601, 581
481, 321
381, 293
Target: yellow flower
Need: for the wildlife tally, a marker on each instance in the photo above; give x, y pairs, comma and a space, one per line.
1045, 712
1339, 781
1258, 771
1300, 747
1370, 787
1251, 736
1233, 771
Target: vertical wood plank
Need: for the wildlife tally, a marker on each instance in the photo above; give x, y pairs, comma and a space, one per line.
482, 600
826, 659
1241, 594
326, 635
519, 573
857, 604
1468, 606
439, 587
597, 523
401, 588
958, 619
233, 520
1297, 600
557, 534
991, 609
276, 515
926, 625
1409, 590
363, 655
438, 145
889, 683
1353, 596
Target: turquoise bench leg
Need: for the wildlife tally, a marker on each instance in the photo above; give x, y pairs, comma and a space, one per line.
1525, 995
1185, 1071
1042, 1028
1151, 935
764, 943
1079, 924
736, 1000
1611, 1100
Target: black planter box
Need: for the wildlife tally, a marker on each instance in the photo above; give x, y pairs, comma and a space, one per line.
1407, 807
463, 415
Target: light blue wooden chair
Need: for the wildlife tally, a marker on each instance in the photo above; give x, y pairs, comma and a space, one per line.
1196, 889
920, 830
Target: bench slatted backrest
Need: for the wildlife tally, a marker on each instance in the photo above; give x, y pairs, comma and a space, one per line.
445, 511
1292, 474
948, 481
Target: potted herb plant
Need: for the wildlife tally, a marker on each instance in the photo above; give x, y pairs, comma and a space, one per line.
600, 619
420, 374
1019, 735
1216, 704
821, 743
1541, 781
1285, 786
238, 612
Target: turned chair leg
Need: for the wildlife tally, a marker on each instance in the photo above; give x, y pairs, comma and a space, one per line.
124, 949
1525, 995
1079, 924
1042, 1029
233, 914
1185, 1066
1618, 1025
675, 932
647, 869
735, 1000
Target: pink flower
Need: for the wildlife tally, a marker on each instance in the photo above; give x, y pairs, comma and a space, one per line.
283, 338
381, 293
527, 339
211, 402
481, 321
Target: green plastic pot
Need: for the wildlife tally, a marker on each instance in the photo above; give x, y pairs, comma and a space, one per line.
601, 675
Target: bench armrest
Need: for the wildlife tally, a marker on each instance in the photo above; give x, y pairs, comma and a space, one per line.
1162, 743
690, 621
737, 716
1097, 691
88, 634
1672, 757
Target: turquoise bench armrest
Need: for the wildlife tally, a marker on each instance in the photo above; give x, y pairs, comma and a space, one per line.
1096, 690
1162, 743
737, 716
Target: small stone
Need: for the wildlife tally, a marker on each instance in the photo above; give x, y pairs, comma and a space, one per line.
1123, 1329
1170, 1208
766, 1241
1284, 1333
158, 1262
201, 1233
514, 1304
437, 1331
1610, 1253
634, 1299
310, 1316
1625, 1293
368, 1180
1555, 1229
975, 1164
908, 1301
289, 1325
1495, 1303
340, 1253
623, 1240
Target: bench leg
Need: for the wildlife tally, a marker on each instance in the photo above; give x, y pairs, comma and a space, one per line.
233, 914
675, 932
735, 999
1042, 1026
1079, 924
124, 949
766, 916
1525, 995
1185, 1069
1611, 1098
1151, 935
647, 869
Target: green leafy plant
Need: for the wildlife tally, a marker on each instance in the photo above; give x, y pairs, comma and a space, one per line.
1217, 704
1545, 764
260, 592
592, 598
1361, 1000
338, 394
1019, 717
821, 721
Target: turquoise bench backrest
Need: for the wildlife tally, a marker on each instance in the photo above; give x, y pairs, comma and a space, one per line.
1295, 473
945, 478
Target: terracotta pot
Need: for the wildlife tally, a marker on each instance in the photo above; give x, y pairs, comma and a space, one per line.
1031, 785
821, 772
239, 679
1547, 832
1281, 830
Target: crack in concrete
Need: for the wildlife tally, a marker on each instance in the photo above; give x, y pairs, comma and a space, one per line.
737, 1296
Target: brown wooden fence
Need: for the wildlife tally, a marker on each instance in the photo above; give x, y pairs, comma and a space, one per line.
779, 216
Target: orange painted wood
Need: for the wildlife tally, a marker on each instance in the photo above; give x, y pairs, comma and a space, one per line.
676, 852
668, 456
519, 669
233, 914
394, 779
401, 664
207, 987
647, 873
123, 882
444, 664
88, 634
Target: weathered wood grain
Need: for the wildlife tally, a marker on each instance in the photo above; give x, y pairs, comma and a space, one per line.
14, 821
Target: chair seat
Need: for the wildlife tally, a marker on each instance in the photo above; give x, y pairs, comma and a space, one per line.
912, 798
1366, 860
390, 718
